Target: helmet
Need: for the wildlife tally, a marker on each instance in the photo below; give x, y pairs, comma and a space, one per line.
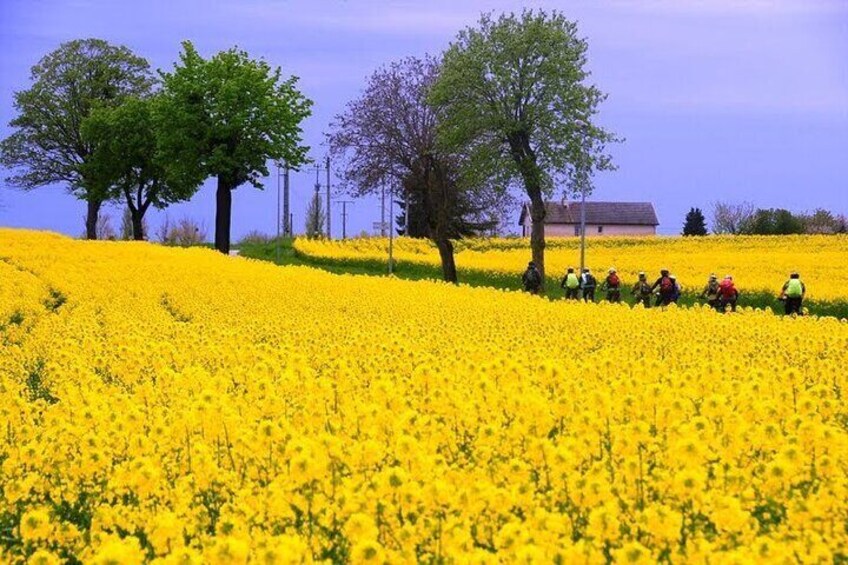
728, 277
795, 275
611, 270
585, 269
571, 269
642, 275
713, 277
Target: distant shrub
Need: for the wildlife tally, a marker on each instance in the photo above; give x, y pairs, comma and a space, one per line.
255, 237
184, 232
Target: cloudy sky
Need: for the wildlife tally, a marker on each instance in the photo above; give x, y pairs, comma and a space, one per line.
739, 100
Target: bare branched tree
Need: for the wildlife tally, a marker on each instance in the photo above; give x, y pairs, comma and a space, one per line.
388, 135
730, 218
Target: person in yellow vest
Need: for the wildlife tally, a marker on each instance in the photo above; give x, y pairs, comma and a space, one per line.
642, 291
792, 294
571, 284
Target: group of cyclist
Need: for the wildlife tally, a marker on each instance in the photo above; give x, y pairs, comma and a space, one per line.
665, 290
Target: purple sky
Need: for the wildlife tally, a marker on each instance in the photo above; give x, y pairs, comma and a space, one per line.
717, 99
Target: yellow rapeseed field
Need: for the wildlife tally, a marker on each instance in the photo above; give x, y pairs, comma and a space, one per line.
757, 263
177, 406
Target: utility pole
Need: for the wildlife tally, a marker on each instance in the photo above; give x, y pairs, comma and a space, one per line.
383, 210
583, 179
287, 227
344, 204
277, 251
327, 167
391, 231
317, 198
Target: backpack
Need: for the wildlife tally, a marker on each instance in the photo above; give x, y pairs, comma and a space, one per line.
590, 281
713, 289
794, 289
532, 279
613, 281
727, 290
571, 281
666, 285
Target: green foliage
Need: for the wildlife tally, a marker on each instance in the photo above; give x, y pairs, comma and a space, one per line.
226, 116
511, 92
126, 160
774, 221
696, 223
769, 515
513, 96
46, 145
55, 300
37, 389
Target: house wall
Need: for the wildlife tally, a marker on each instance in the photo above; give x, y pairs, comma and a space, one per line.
567, 230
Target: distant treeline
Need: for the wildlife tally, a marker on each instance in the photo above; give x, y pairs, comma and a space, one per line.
745, 219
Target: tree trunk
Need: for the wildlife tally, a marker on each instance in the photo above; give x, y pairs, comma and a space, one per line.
91, 218
448, 263
137, 225
437, 202
223, 215
525, 158
537, 231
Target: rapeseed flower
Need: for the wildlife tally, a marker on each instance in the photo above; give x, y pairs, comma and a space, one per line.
177, 406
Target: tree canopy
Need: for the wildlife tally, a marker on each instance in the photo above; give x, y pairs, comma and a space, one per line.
388, 134
126, 160
513, 92
226, 117
696, 223
46, 145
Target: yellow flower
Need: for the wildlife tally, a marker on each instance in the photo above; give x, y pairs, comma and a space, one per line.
367, 551
604, 524
43, 557
173, 395
166, 532
116, 551
633, 552
227, 551
35, 525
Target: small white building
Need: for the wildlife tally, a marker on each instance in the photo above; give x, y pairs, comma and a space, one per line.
602, 218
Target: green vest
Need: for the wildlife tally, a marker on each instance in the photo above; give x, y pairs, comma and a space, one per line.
571, 281
794, 288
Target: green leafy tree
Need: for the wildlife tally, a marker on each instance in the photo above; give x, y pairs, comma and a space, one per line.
46, 145
785, 222
315, 217
226, 117
774, 221
126, 160
696, 223
513, 94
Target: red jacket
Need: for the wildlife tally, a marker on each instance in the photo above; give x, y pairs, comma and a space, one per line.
727, 290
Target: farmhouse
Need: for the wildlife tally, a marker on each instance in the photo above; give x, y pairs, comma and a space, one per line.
602, 218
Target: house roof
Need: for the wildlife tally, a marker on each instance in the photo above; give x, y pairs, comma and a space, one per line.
605, 213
